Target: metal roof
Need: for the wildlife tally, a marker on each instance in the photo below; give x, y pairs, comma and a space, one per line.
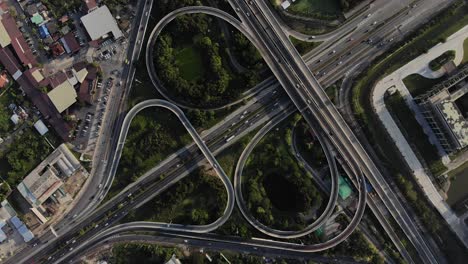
41, 127
63, 96
100, 22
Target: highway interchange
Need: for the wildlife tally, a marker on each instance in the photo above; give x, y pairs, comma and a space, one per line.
258, 114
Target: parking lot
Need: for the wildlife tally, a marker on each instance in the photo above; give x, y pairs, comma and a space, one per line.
91, 121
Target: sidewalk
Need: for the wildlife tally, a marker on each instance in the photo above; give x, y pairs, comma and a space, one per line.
420, 65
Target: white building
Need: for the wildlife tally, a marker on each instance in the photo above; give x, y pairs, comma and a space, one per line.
100, 23
285, 4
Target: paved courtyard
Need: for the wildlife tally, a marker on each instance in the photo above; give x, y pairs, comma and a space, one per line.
395, 79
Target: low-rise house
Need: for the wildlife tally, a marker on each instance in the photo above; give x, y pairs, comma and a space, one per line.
10, 35
70, 43
63, 96
37, 19
44, 31
41, 127
57, 49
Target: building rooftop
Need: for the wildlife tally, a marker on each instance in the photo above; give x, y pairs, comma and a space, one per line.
344, 191
44, 31
41, 127
57, 49
99, 23
22, 229
89, 5
57, 79
37, 19
44, 180
63, 96
18, 42
70, 43
455, 120
37, 75
5, 39
15, 119
285, 4
9, 61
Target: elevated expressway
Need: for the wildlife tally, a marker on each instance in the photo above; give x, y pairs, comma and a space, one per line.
314, 104
174, 164
191, 231
273, 244
202, 146
205, 244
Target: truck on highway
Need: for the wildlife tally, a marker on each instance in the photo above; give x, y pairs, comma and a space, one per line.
230, 138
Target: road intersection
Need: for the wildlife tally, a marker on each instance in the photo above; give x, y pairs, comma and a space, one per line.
310, 118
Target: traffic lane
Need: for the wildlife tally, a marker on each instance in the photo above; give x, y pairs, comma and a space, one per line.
151, 192
85, 197
268, 111
285, 234
341, 128
214, 246
135, 34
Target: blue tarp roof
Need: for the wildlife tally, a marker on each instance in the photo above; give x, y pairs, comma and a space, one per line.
43, 31
16, 222
2, 236
25, 233
22, 229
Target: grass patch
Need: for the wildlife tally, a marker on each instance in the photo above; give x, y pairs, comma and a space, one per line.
465, 51
440, 61
199, 198
272, 164
309, 146
303, 47
316, 8
418, 84
189, 61
414, 133
458, 171
154, 134
459, 181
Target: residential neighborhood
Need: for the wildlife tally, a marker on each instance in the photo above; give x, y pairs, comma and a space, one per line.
57, 70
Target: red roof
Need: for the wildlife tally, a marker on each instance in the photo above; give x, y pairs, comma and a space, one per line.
45, 106
9, 61
84, 93
63, 19
18, 42
57, 79
57, 49
4, 6
70, 41
89, 5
